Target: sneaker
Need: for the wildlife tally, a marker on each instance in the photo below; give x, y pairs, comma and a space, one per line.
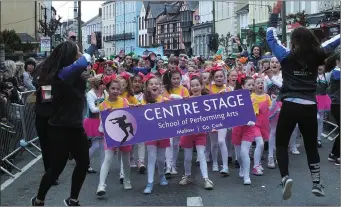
186, 179
287, 185
163, 180
141, 168
319, 143
241, 173
90, 170
148, 189
121, 178
332, 157
247, 181
236, 164
168, 171
127, 185
34, 202
173, 171
101, 190
261, 167
295, 151
208, 184
225, 172
70, 202
271, 163
132, 163
337, 162
229, 159
257, 171
215, 168
317, 190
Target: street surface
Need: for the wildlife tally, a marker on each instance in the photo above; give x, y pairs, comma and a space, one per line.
227, 190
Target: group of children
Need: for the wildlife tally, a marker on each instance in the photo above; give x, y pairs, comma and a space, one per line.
170, 82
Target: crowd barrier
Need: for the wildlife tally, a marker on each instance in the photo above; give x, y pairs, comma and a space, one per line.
14, 142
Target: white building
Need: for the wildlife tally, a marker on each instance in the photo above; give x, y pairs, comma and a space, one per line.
205, 11
142, 26
93, 25
242, 21
108, 27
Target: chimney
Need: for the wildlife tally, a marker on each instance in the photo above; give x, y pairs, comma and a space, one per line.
100, 12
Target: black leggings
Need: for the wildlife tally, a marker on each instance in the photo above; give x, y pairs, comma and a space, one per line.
64, 140
306, 118
42, 129
335, 111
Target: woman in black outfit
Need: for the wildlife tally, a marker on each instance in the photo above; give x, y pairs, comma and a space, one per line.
298, 94
63, 70
333, 65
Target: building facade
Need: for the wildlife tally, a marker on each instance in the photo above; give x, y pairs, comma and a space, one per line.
153, 12
142, 26
93, 25
126, 20
187, 11
242, 21
108, 27
23, 17
202, 30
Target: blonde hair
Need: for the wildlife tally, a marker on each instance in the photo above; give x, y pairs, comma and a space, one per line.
20, 68
95, 81
11, 68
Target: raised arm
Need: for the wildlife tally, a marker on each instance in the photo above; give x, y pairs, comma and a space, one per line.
332, 43
274, 43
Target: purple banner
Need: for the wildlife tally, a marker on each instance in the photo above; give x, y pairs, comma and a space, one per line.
177, 118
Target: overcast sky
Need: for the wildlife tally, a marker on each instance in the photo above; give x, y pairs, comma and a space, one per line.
65, 9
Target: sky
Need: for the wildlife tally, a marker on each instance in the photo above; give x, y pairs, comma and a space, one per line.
65, 9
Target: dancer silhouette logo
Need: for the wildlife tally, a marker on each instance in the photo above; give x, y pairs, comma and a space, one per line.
121, 126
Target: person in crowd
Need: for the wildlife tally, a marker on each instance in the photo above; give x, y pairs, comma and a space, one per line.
333, 65
94, 97
29, 68
63, 84
19, 75
298, 93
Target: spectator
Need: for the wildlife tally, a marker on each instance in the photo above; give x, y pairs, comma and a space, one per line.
19, 75
29, 68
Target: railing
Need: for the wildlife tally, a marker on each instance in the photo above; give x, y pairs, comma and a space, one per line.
23, 135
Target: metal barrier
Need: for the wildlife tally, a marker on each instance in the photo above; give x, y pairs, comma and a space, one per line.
17, 140
329, 125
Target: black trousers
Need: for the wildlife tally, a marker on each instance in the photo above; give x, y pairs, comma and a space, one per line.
42, 129
335, 111
306, 118
64, 140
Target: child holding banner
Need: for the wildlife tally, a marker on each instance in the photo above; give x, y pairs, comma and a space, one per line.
217, 80
187, 142
114, 101
171, 81
156, 149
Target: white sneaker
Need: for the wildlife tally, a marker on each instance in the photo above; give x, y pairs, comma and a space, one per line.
186, 179
173, 171
247, 181
127, 185
215, 168
294, 151
132, 163
208, 184
271, 163
261, 167
241, 172
101, 190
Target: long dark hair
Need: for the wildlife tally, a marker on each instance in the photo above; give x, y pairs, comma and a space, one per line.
63, 55
331, 61
167, 79
306, 48
204, 91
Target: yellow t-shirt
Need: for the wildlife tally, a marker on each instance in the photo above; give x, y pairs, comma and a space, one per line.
159, 99
257, 99
131, 99
119, 103
213, 89
181, 91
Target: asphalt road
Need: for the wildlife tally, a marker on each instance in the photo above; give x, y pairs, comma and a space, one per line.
227, 190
